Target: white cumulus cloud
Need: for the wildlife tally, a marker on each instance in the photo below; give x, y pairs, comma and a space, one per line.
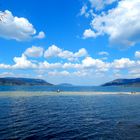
40, 35
18, 28
103, 53
47, 65
123, 63
121, 24
83, 11
6, 74
89, 33
23, 63
34, 51
5, 66
100, 4
59, 73
89, 62
54, 51
137, 54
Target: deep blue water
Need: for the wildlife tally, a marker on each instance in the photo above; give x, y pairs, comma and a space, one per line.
58, 117
69, 88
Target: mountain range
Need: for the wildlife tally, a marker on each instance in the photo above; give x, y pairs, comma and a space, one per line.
23, 81
124, 82
65, 84
12, 81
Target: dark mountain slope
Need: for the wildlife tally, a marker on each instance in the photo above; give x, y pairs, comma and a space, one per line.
124, 82
22, 81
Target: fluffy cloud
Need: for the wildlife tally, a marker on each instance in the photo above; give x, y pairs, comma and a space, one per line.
23, 63
72, 66
5, 66
88, 66
83, 11
57, 73
135, 71
20, 63
100, 4
58, 65
54, 51
41, 35
103, 53
81, 73
18, 28
47, 65
123, 63
34, 51
121, 24
89, 62
6, 74
137, 54
89, 33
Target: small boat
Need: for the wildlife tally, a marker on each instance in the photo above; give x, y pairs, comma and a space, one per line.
58, 91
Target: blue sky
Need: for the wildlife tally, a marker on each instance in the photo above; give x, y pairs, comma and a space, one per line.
84, 42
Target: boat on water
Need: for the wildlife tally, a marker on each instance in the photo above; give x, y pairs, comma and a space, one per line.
58, 90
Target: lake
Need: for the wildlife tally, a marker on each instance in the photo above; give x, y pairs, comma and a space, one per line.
70, 88
60, 116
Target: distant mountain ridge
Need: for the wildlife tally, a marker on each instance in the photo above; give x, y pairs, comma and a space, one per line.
22, 81
124, 82
65, 84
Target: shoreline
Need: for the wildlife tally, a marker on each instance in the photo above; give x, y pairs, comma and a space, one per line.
45, 93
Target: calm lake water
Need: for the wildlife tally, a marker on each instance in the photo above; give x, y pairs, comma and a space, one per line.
98, 117
70, 88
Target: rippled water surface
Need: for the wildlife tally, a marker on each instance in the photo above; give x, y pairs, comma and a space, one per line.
70, 88
98, 117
